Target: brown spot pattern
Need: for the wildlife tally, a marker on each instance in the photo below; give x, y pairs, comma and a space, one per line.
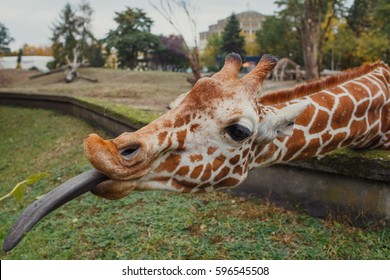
343, 113
181, 137
179, 122
170, 164
196, 172
320, 122
245, 153
206, 173
194, 126
161, 137
228, 182
294, 144
361, 109
183, 170
234, 160
211, 150
324, 99
218, 161
224, 171
305, 118
196, 157
237, 170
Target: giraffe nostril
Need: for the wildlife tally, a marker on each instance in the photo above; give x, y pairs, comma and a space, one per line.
129, 152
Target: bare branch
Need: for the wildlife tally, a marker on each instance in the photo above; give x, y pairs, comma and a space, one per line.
167, 12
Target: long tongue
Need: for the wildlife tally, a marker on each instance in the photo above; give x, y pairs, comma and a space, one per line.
51, 201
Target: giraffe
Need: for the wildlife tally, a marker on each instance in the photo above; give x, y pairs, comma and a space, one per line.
224, 127
281, 66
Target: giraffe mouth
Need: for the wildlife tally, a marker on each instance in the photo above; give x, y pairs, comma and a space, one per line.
57, 197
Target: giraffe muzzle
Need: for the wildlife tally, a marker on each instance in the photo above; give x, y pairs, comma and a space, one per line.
57, 197
123, 158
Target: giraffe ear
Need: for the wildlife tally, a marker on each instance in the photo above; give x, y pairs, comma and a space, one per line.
280, 123
177, 101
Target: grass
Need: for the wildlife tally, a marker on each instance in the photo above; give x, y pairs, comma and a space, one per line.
150, 90
137, 116
153, 225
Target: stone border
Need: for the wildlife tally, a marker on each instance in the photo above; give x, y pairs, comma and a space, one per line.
341, 184
101, 117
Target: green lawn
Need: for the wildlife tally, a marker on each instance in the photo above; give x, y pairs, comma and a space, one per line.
153, 225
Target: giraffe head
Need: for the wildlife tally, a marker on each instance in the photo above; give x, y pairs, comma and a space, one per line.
207, 141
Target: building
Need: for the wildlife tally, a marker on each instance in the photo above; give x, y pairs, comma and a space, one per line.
250, 22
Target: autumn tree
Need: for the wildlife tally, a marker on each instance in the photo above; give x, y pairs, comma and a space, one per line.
132, 36
232, 41
311, 20
5, 39
170, 54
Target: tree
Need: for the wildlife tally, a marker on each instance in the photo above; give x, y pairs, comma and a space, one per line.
311, 19
5, 39
64, 35
212, 51
232, 41
340, 49
171, 54
371, 24
73, 30
166, 9
269, 39
358, 17
251, 47
131, 37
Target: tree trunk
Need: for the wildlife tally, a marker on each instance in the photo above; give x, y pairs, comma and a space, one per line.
312, 35
310, 55
61, 69
195, 63
70, 75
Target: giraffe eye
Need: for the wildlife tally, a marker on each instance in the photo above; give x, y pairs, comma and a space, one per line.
238, 132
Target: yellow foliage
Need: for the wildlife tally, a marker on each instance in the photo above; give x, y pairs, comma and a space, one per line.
34, 50
372, 45
19, 190
252, 47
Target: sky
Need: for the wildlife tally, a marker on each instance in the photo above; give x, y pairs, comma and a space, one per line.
29, 21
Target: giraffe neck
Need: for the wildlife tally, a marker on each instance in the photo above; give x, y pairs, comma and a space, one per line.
354, 113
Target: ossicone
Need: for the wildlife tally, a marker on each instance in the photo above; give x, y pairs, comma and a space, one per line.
230, 69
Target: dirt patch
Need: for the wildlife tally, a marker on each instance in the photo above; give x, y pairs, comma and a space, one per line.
151, 90
10, 77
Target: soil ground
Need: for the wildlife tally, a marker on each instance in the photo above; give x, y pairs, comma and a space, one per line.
151, 90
